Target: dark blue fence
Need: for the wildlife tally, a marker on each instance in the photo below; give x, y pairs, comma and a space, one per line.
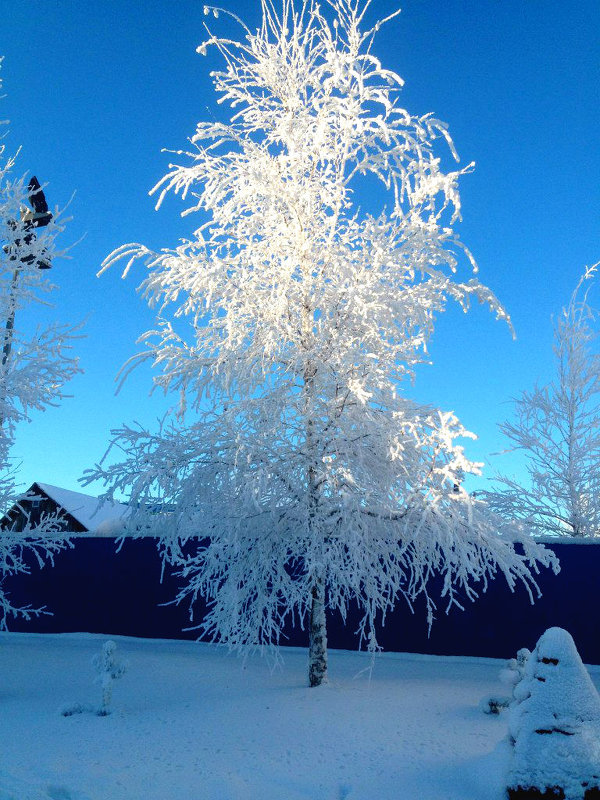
96, 589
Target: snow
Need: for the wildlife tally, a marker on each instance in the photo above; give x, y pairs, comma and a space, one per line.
191, 721
99, 517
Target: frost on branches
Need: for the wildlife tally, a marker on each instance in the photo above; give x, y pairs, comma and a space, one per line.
557, 428
289, 323
33, 368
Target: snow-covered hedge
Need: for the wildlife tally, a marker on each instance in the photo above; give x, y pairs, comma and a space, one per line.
554, 725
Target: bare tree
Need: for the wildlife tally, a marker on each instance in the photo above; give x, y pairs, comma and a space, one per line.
557, 429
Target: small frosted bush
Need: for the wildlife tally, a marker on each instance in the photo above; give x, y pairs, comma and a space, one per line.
511, 676
109, 669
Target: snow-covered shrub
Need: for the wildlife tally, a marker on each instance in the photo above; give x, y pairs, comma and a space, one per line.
554, 725
511, 675
515, 669
109, 669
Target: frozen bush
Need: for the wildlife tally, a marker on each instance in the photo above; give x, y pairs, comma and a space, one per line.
511, 675
554, 725
109, 669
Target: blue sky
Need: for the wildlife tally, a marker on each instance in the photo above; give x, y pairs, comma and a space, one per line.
94, 91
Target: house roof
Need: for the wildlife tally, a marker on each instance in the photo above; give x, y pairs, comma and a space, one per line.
99, 517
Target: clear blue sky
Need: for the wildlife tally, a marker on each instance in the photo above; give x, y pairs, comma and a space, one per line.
95, 90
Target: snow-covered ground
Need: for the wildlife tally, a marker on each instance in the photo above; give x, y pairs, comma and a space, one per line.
191, 722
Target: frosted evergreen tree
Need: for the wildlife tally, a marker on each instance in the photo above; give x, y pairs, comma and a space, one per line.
289, 325
33, 367
557, 429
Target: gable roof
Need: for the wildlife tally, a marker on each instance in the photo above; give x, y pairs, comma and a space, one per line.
100, 517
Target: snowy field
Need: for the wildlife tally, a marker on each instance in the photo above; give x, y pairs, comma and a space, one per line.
191, 722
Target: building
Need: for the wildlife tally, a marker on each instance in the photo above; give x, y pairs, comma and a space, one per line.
77, 512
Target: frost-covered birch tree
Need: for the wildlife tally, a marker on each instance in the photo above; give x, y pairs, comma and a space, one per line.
289, 325
33, 367
556, 428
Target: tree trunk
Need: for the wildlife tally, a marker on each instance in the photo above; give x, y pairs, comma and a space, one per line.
317, 637
317, 631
